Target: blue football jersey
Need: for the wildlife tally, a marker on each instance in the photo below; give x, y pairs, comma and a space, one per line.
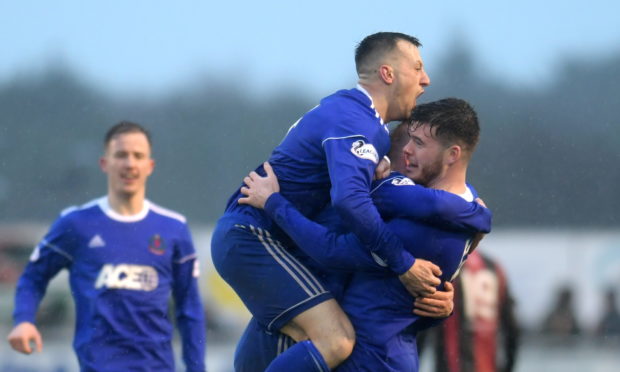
122, 271
375, 300
398, 199
329, 155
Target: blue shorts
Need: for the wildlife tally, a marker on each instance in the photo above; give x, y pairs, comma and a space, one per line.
257, 348
272, 283
399, 354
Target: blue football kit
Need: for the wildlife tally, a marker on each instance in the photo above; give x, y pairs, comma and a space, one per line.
377, 303
122, 271
328, 157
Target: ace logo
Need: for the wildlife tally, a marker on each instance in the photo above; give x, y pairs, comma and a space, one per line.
125, 276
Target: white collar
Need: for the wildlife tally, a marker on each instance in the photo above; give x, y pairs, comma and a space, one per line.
467, 195
104, 204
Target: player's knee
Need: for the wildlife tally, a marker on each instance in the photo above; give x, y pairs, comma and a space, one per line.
342, 348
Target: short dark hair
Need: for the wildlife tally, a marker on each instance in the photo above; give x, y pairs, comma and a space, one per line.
123, 127
399, 136
378, 45
455, 121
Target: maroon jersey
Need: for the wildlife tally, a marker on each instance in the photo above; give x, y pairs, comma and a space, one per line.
482, 334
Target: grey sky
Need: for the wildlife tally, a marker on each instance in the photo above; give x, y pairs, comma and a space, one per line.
153, 46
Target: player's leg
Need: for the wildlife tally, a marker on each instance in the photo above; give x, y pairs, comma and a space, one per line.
257, 348
331, 340
328, 327
275, 286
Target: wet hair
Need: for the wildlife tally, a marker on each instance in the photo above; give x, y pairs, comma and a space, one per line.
125, 127
455, 121
377, 45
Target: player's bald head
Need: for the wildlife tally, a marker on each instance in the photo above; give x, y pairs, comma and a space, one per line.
372, 51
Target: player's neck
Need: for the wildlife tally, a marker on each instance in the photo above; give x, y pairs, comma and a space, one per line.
454, 181
379, 99
126, 205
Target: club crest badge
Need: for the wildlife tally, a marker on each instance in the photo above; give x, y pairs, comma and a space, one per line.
157, 245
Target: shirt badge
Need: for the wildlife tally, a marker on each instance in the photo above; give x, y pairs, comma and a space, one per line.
157, 245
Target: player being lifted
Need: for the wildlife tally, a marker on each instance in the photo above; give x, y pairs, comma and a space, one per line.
329, 155
443, 137
125, 256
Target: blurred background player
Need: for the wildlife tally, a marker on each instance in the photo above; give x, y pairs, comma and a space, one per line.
609, 324
482, 335
561, 322
125, 256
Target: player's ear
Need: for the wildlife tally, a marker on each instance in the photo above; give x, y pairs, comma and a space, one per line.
454, 154
386, 74
103, 164
151, 166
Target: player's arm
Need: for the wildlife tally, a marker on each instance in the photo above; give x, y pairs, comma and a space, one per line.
189, 312
49, 257
437, 207
330, 249
351, 163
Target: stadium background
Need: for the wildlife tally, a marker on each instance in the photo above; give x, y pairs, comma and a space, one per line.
544, 79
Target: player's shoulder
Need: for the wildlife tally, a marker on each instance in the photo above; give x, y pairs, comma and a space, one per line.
395, 179
167, 213
76, 210
347, 103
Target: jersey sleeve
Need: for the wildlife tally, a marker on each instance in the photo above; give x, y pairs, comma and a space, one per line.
329, 248
52, 254
188, 305
399, 197
351, 161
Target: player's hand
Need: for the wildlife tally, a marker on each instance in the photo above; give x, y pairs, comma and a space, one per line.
258, 189
383, 168
22, 335
438, 305
422, 278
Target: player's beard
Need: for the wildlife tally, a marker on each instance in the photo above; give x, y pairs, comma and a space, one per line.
429, 174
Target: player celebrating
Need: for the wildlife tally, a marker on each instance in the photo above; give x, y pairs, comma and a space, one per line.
125, 255
330, 153
443, 137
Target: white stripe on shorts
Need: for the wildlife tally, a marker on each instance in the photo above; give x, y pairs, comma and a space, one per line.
312, 280
273, 251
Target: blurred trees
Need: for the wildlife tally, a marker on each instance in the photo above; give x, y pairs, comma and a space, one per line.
548, 156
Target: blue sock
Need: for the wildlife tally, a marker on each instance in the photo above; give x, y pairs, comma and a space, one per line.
301, 357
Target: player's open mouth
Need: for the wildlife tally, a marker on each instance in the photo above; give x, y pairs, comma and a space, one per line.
129, 177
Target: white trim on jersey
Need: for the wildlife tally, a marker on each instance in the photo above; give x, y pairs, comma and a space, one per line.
345, 137
389, 179
104, 204
372, 103
467, 195
186, 258
55, 249
73, 208
168, 213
